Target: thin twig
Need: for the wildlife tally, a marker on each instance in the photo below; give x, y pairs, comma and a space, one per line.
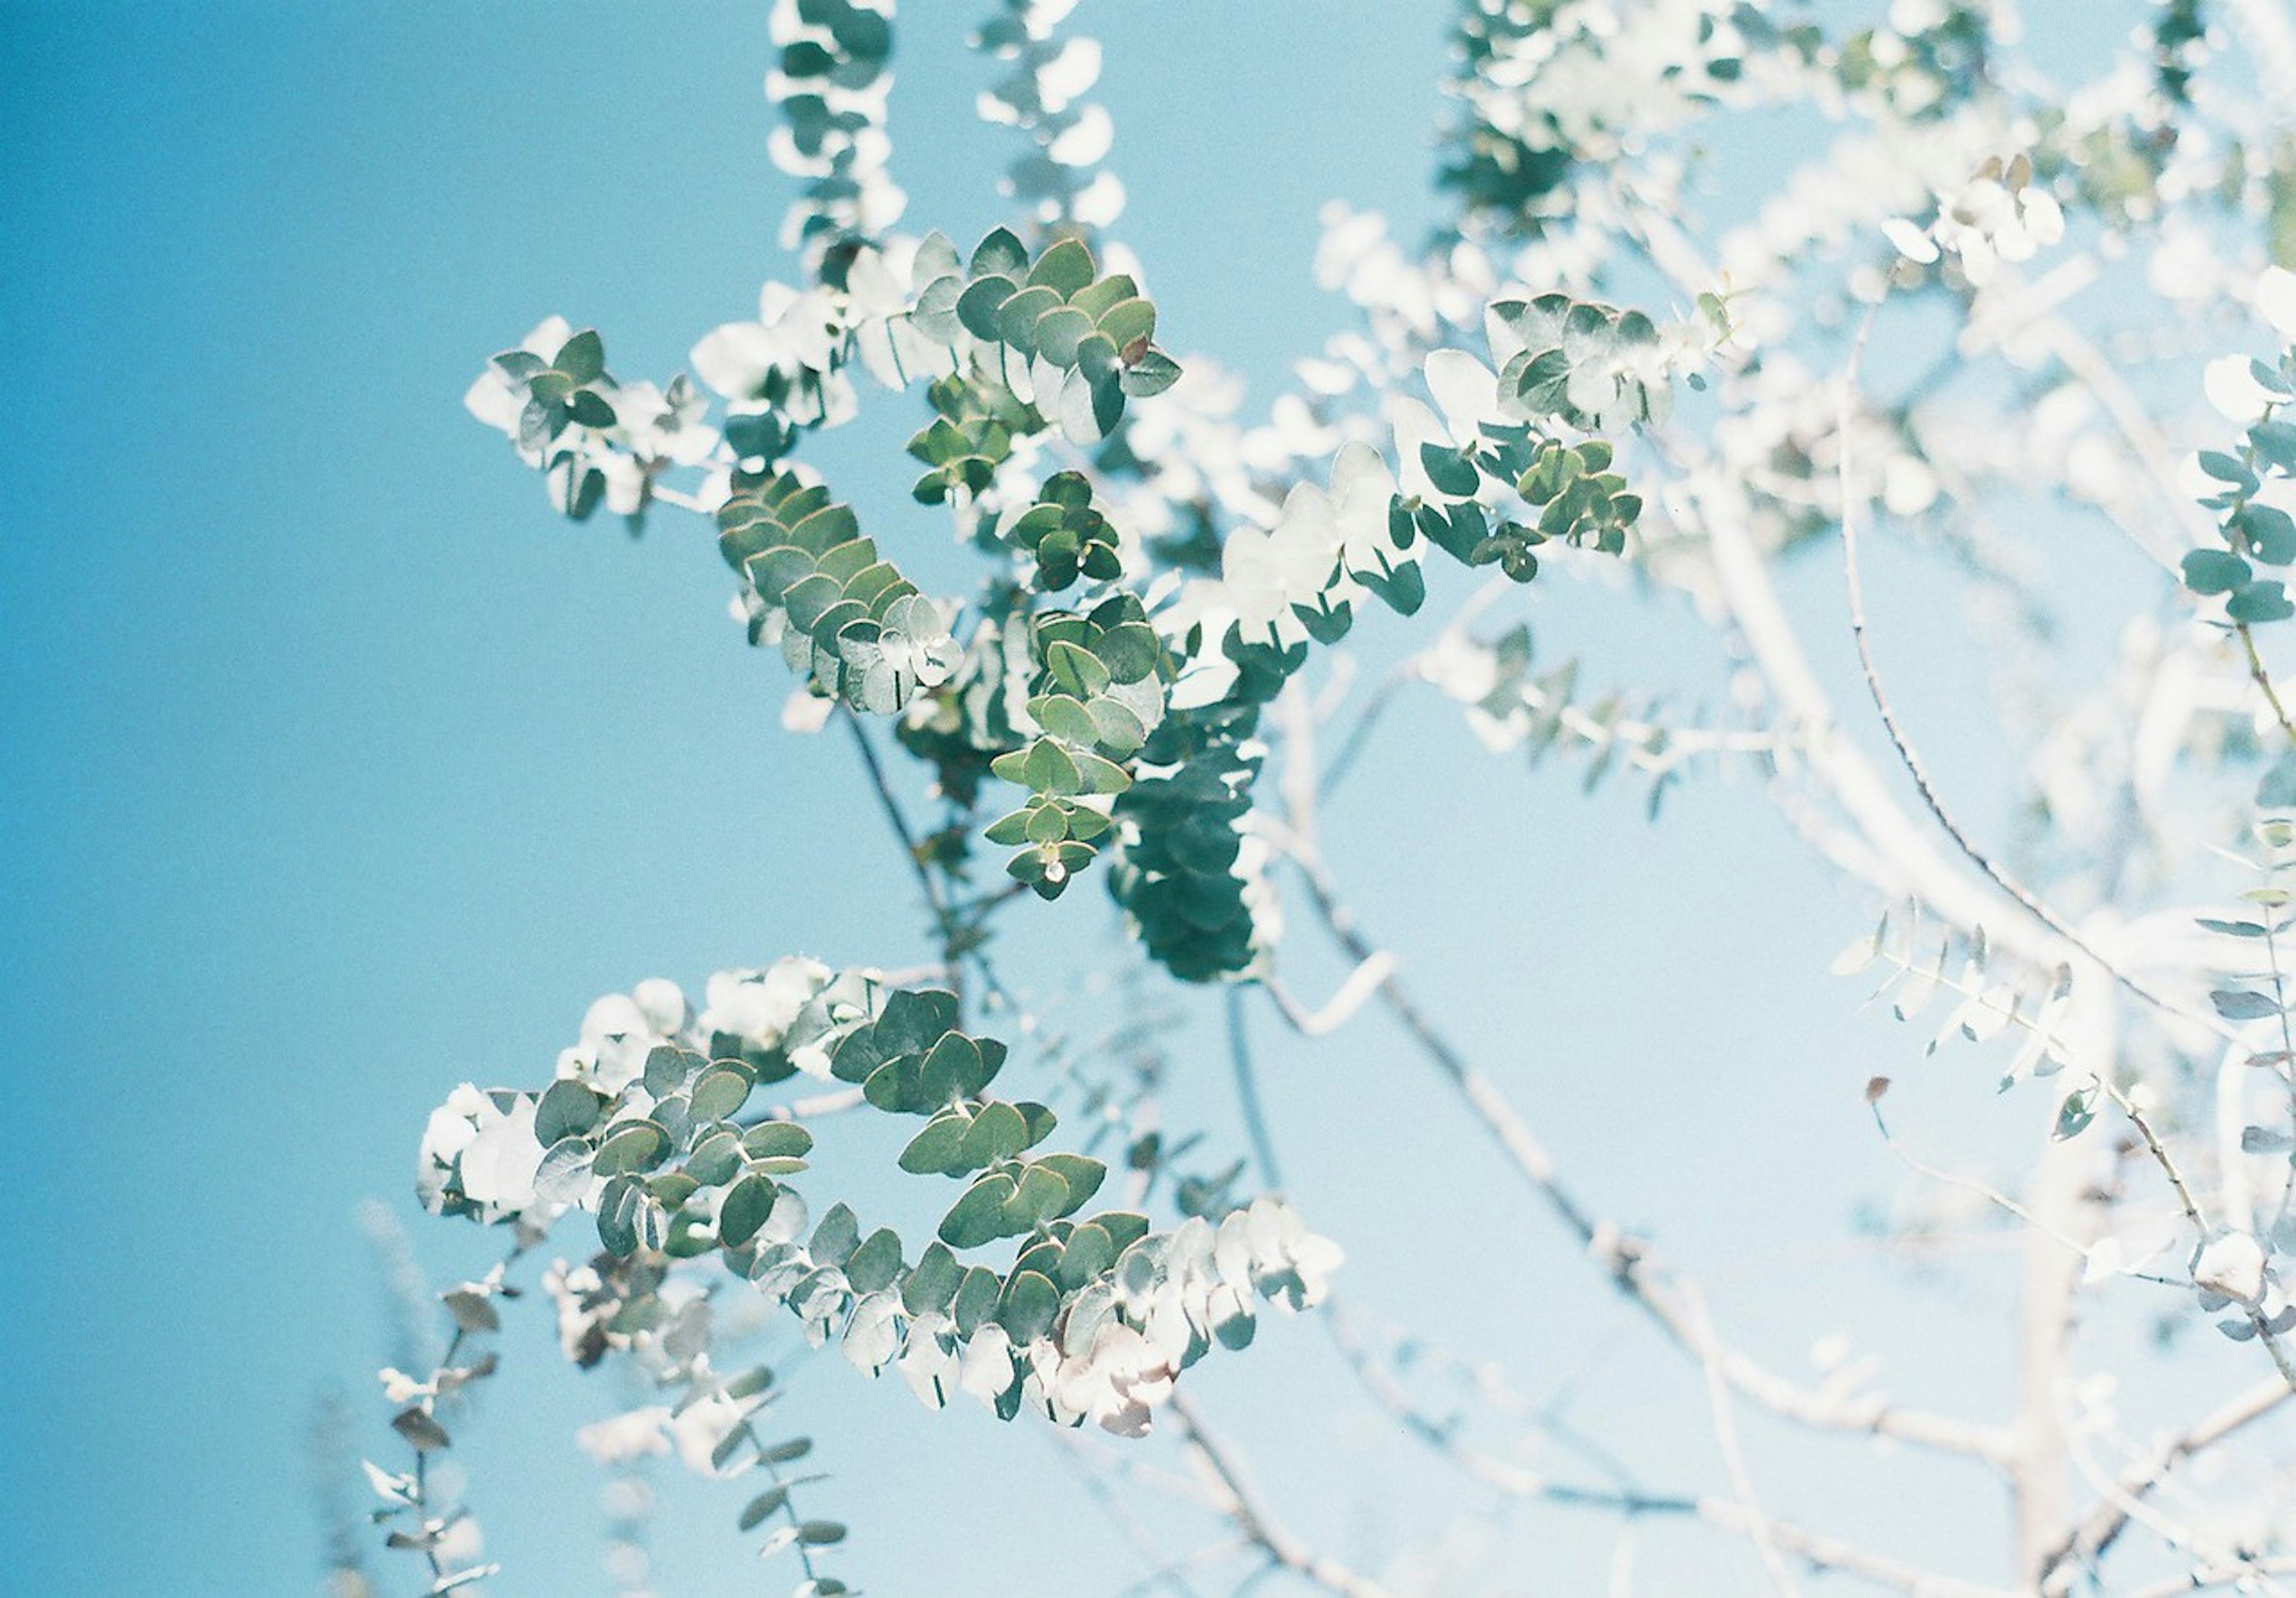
2097, 1531
1630, 1502
1907, 757
1247, 1091
1252, 1518
1623, 1258
945, 925
2263, 679
1733, 1458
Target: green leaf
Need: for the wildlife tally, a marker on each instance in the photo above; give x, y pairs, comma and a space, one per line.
1041, 1196
1017, 317
1082, 1176
977, 1218
764, 1504
978, 308
2235, 1004
2229, 469
1000, 252
1095, 774
722, 1090
715, 1158
836, 1235
977, 1298
1030, 1303
936, 1149
631, 1146
933, 1284
563, 1176
2259, 601
1128, 322
1153, 372
1078, 670
2214, 571
1115, 728
671, 1189
1012, 830
1058, 331
668, 1069
1064, 268
2270, 534
954, 1068
748, 1206
589, 407
1049, 769
622, 1208
422, 1431
1129, 651
1089, 1251
914, 1019
582, 358
877, 1263
566, 1110
776, 1140
1094, 300
1451, 471
2078, 1110
997, 1132
1065, 717
1403, 588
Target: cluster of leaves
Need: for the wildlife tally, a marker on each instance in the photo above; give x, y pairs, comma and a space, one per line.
1066, 534
615, 1304
1177, 878
1057, 178
1505, 173
2239, 1270
2255, 534
1923, 961
1576, 496
1052, 341
970, 436
1516, 704
1514, 155
445, 1535
670, 1169
1924, 72
1068, 340
2179, 31
836, 64
570, 388
845, 618
1594, 366
2260, 993
1098, 694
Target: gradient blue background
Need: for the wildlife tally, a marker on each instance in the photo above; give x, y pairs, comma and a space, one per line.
340, 771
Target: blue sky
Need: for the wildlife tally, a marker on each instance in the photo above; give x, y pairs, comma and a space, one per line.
340, 771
